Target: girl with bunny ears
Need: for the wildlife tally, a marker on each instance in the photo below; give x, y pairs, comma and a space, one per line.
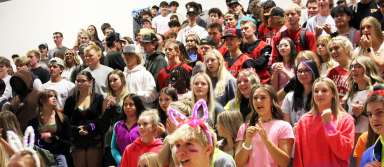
24, 155
193, 142
267, 139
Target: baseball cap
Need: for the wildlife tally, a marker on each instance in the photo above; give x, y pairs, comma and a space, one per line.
130, 48
56, 60
149, 37
230, 2
232, 32
43, 46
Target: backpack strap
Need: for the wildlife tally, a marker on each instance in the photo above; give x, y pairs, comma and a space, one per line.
303, 38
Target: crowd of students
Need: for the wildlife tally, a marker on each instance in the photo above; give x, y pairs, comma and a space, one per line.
263, 86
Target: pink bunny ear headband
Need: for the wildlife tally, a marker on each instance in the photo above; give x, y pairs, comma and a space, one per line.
27, 145
194, 121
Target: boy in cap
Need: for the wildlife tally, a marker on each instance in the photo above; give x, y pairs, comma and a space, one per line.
61, 86
139, 80
154, 60
192, 27
234, 57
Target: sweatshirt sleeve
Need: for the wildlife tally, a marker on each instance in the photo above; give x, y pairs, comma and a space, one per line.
114, 148
148, 93
298, 155
340, 136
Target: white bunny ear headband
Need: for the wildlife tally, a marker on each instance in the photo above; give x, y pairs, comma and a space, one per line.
27, 145
194, 121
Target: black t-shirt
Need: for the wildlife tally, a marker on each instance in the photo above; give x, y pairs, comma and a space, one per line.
114, 60
362, 11
41, 73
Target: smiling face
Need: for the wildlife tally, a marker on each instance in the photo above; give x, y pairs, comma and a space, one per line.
338, 53
244, 85
284, 48
375, 112
304, 74
192, 154
322, 94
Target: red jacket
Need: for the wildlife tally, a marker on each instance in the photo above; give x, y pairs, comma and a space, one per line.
259, 49
133, 151
235, 68
162, 77
295, 36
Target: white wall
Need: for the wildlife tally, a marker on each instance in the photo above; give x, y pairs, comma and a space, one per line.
27, 23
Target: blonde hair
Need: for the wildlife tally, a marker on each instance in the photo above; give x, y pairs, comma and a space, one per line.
184, 106
307, 55
93, 47
371, 74
253, 79
188, 133
3, 156
343, 42
124, 91
210, 97
223, 75
76, 57
335, 104
376, 26
230, 120
152, 114
293, 8
150, 159
23, 60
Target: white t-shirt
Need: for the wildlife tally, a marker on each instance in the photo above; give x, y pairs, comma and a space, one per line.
321, 21
63, 88
160, 23
196, 29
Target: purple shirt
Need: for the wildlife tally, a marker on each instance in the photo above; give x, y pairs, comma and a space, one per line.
125, 136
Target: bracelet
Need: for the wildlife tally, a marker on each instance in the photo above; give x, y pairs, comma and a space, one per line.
246, 148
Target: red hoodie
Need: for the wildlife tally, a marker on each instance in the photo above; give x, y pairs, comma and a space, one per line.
133, 151
324, 145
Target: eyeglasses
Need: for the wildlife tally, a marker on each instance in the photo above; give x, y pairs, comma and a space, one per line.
303, 71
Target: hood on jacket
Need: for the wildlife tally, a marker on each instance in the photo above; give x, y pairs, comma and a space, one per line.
22, 82
135, 69
139, 143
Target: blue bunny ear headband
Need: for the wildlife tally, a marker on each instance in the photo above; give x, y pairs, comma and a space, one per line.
27, 145
194, 121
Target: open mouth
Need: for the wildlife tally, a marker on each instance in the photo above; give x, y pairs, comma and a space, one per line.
183, 162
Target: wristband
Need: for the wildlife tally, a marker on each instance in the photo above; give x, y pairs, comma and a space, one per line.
246, 148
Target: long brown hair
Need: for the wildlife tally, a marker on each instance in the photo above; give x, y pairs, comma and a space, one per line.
277, 113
